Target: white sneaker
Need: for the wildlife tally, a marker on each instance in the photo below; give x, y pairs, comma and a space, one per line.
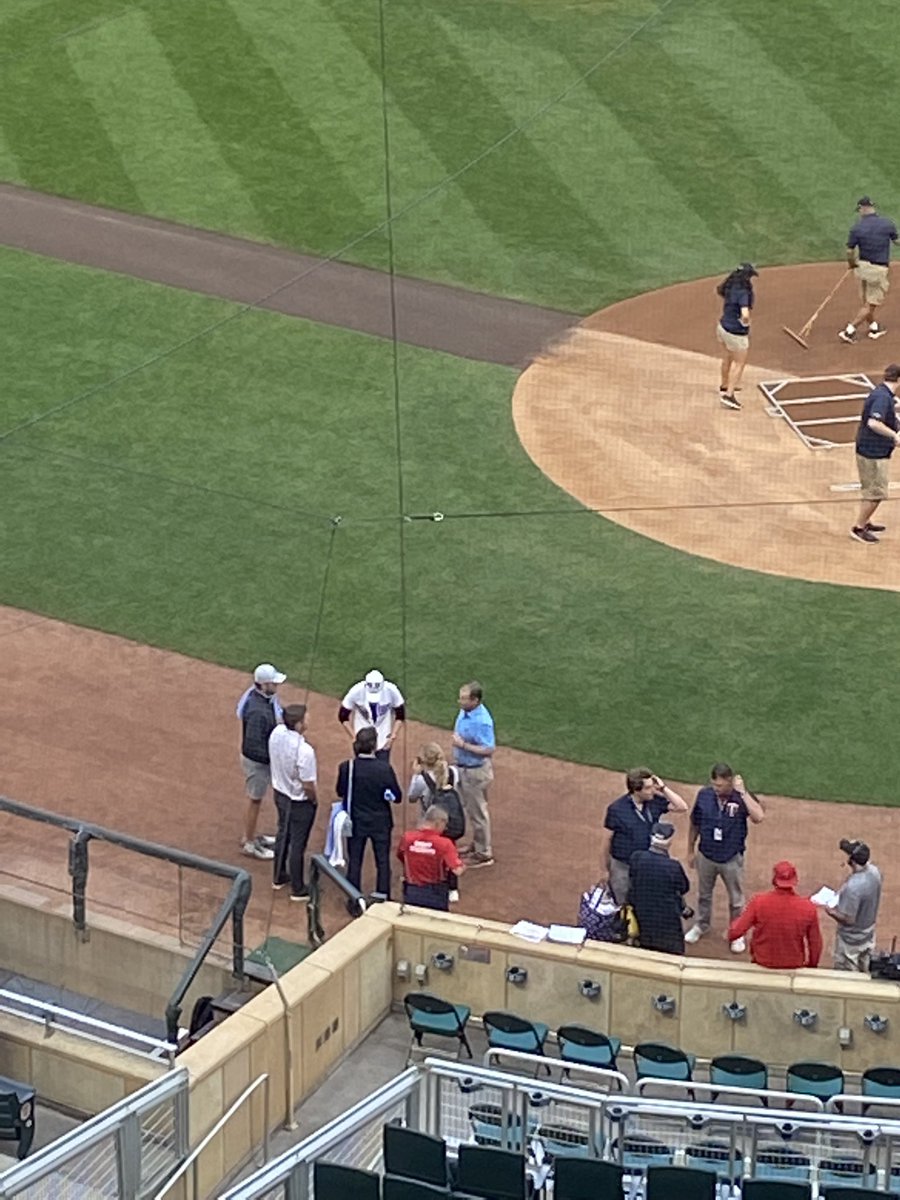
266, 842
876, 332
738, 946
453, 896
254, 850
694, 934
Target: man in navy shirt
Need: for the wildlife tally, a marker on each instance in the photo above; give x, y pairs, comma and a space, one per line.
719, 824
878, 434
869, 256
658, 888
628, 823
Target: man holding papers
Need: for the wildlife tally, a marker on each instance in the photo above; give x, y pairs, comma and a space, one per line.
856, 910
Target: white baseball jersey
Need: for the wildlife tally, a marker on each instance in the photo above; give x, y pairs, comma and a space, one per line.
373, 708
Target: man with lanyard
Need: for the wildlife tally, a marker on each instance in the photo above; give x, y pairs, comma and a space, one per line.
628, 823
429, 859
719, 824
473, 749
869, 257
878, 434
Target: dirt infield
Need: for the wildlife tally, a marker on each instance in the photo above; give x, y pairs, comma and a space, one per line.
623, 413
146, 741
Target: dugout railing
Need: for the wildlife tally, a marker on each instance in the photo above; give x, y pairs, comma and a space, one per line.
232, 908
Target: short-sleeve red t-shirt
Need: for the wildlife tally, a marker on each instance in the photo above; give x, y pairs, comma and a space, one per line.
427, 856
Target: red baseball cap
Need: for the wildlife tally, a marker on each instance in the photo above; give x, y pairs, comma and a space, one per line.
784, 875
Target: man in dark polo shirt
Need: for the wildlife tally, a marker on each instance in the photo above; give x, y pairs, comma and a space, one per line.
869, 257
657, 891
878, 434
629, 821
719, 824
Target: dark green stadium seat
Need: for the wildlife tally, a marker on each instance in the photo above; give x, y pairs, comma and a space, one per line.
490, 1173
334, 1182
775, 1189
396, 1188
17, 1102
679, 1183
415, 1155
586, 1179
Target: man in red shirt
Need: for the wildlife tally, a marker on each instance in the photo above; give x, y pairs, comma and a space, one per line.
428, 857
785, 926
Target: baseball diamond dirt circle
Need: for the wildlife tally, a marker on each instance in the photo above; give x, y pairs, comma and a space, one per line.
145, 741
623, 413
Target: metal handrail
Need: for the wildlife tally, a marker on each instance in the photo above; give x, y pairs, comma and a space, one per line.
319, 866
599, 1075
190, 1163
693, 1089
45, 1011
234, 905
43, 1163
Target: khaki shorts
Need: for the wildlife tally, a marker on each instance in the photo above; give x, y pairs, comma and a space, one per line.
873, 282
735, 343
257, 777
852, 958
873, 477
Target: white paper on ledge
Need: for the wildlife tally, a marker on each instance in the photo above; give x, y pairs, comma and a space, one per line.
529, 931
825, 897
569, 935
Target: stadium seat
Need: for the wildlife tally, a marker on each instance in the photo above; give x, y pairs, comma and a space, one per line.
506, 1031
638, 1151
431, 1015
586, 1047
679, 1183
17, 1102
822, 1080
334, 1182
494, 1174
586, 1179
414, 1155
846, 1171
563, 1141
397, 1188
775, 1189
734, 1070
850, 1193
656, 1060
490, 1128
780, 1162
882, 1081
717, 1158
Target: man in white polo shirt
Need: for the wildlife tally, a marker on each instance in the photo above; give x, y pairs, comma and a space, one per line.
374, 701
293, 763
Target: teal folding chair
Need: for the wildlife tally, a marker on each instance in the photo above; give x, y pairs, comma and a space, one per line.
882, 1081
436, 1017
822, 1080
506, 1031
656, 1060
734, 1070
587, 1047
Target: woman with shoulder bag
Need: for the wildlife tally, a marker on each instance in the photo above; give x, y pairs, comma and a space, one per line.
436, 782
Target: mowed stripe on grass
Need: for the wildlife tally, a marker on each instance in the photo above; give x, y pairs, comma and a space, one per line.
733, 114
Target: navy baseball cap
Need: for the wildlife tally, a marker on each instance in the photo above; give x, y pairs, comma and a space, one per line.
748, 269
662, 831
864, 202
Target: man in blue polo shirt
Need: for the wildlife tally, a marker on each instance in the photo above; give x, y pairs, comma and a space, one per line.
473, 749
719, 824
878, 434
628, 823
869, 257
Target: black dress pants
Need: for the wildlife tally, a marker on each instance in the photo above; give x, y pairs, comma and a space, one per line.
381, 847
295, 822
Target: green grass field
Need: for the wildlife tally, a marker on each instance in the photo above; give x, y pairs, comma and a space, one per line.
172, 466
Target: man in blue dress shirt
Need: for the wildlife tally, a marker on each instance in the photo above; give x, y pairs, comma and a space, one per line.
473, 749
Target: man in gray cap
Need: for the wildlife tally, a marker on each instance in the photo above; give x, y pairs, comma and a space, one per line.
259, 711
856, 910
656, 892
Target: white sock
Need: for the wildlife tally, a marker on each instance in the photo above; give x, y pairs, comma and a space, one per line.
851, 329
873, 325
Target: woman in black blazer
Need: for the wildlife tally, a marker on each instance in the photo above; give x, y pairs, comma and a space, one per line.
368, 798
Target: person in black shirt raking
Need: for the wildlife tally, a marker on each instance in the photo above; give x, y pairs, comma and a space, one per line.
733, 329
368, 793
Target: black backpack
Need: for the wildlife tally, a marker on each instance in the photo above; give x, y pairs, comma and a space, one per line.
448, 799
